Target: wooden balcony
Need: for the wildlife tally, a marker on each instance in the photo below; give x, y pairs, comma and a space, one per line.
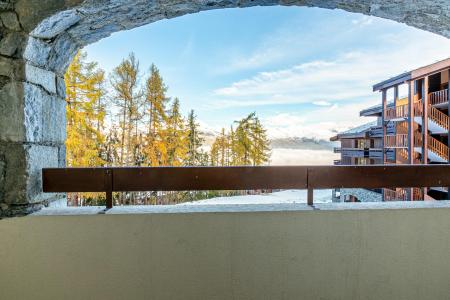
438, 97
401, 194
398, 112
396, 141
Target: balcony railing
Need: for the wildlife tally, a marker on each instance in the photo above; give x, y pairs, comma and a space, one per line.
401, 194
396, 141
337, 149
433, 113
434, 145
109, 180
336, 162
438, 97
398, 112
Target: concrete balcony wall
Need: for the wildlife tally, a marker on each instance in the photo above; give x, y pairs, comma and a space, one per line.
301, 254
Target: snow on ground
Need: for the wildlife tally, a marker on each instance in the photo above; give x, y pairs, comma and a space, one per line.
286, 196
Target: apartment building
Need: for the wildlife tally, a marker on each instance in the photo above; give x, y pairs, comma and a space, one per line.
413, 129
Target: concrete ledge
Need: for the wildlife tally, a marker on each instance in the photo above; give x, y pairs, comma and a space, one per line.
237, 208
388, 253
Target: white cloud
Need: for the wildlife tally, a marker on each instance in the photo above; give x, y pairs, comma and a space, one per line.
347, 77
322, 103
321, 123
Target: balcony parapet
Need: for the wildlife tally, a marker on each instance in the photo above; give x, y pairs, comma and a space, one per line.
438, 97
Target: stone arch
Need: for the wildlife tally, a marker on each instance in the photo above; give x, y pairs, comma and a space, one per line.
39, 39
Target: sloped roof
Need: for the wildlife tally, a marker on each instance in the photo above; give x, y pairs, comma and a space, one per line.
359, 131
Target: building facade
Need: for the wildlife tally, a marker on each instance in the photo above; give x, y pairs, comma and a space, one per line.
409, 130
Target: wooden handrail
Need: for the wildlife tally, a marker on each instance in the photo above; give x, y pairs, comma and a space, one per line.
438, 97
241, 178
433, 145
433, 113
438, 117
437, 147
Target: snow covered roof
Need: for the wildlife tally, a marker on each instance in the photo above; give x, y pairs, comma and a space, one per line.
359, 131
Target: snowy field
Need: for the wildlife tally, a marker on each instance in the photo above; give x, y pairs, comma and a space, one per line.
287, 196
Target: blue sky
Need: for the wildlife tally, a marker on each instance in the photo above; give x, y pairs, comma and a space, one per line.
305, 71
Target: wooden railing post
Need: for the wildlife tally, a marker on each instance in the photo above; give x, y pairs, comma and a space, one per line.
108, 188
310, 197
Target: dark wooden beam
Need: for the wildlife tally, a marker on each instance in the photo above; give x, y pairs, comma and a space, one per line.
378, 176
242, 178
74, 180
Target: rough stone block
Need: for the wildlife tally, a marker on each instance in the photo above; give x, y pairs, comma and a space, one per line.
21, 176
56, 24
12, 112
54, 120
44, 78
38, 157
44, 116
62, 53
62, 156
34, 97
10, 20
37, 51
13, 68
11, 43
13, 174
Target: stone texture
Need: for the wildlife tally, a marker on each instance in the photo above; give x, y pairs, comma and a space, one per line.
41, 77
12, 68
60, 87
11, 43
12, 126
45, 116
66, 46
6, 5
54, 120
38, 157
10, 20
2, 177
37, 51
14, 174
55, 24
32, 12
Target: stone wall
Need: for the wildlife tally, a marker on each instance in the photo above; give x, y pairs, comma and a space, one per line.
32, 112
38, 39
